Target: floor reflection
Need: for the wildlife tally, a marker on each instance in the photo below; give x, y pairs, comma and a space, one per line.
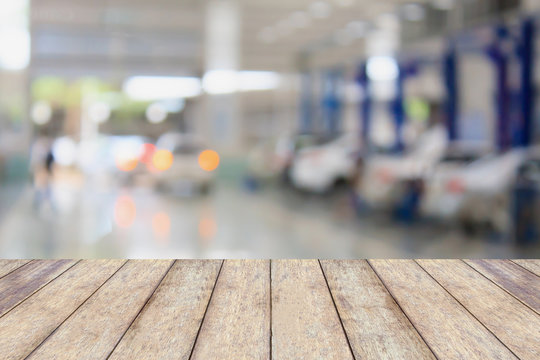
87, 221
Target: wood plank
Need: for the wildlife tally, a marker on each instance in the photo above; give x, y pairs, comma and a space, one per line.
237, 322
23, 282
531, 265
305, 324
375, 325
7, 266
40, 314
168, 325
513, 278
448, 328
95, 328
516, 325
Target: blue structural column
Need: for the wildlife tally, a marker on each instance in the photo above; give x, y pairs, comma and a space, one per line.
502, 100
450, 71
526, 55
331, 104
365, 106
306, 103
398, 108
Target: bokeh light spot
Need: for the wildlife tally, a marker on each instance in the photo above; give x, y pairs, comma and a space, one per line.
124, 212
162, 160
126, 164
161, 224
208, 160
147, 153
207, 228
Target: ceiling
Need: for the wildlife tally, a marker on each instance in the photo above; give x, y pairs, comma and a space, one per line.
117, 38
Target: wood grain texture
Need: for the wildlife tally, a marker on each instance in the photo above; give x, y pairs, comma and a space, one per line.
375, 325
95, 328
305, 324
531, 265
513, 278
516, 325
7, 266
237, 322
39, 315
447, 327
168, 325
23, 282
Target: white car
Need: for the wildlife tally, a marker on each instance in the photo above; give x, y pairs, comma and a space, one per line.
480, 192
319, 168
384, 175
185, 176
442, 193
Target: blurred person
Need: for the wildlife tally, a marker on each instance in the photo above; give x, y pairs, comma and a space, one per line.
42, 171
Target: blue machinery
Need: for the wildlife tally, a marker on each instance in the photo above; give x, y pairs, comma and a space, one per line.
515, 110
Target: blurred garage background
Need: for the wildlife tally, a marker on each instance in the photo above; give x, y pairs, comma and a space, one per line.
269, 128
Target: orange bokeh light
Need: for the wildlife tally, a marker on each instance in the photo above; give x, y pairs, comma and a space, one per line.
162, 160
161, 224
208, 160
207, 228
126, 164
124, 212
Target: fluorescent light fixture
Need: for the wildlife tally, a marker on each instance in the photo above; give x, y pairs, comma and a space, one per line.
382, 68
148, 88
229, 81
220, 81
258, 80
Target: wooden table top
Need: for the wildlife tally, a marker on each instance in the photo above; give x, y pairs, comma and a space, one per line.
261, 309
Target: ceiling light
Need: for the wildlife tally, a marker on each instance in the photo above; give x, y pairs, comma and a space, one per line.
382, 68
146, 88
156, 113
41, 112
320, 9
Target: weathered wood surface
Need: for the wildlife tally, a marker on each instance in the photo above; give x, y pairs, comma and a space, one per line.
515, 324
518, 281
27, 325
305, 323
376, 326
284, 309
531, 265
446, 326
237, 321
7, 266
23, 282
95, 328
168, 325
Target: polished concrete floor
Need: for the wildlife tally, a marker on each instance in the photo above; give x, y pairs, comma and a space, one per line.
91, 221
